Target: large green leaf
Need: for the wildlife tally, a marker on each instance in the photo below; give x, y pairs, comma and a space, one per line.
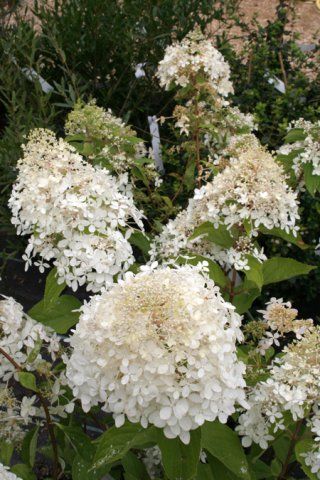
180, 461
82, 469
113, 444
278, 269
220, 471
140, 240
134, 467
221, 236
312, 181
54, 310
289, 237
224, 444
23, 471
246, 293
301, 449
29, 446
78, 440
205, 472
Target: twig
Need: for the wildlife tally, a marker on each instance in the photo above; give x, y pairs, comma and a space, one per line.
283, 70
294, 438
49, 423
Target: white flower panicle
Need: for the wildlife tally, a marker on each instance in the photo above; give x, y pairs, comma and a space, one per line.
281, 318
252, 189
159, 348
293, 386
5, 474
76, 215
195, 55
19, 335
306, 150
119, 143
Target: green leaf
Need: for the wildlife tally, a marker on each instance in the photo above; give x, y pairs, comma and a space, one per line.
278, 269
312, 181
116, 442
224, 444
79, 441
221, 236
23, 471
215, 271
140, 240
295, 135
29, 446
6, 452
28, 380
220, 471
134, 467
255, 274
243, 300
301, 448
189, 175
82, 470
59, 315
289, 237
276, 467
204, 472
260, 470
180, 461
52, 289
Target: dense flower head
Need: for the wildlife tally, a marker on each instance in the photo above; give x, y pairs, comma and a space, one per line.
305, 150
293, 386
6, 475
159, 348
119, 144
76, 214
253, 189
194, 55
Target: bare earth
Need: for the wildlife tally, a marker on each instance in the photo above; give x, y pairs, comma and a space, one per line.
308, 16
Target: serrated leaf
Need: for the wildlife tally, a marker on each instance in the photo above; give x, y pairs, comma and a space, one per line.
221, 236
278, 269
113, 444
289, 237
224, 444
60, 316
28, 380
312, 181
180, 461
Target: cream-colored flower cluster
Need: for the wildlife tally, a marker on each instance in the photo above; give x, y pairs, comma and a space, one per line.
281, 319
5, 474
159, 348
293, 387
251, 191
306, 151
77, 215
118, 143
195, 55
34, 347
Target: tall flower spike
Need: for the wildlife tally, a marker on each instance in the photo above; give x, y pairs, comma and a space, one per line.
159, 348
195, 55
76, 215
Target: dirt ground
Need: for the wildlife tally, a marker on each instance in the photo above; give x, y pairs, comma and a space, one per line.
307, 22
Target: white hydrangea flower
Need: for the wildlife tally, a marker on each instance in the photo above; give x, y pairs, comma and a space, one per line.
306, 151
19, 335
76, 215
293, 387
193, 55
159, 348
253, 189
312, 460
5, 474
